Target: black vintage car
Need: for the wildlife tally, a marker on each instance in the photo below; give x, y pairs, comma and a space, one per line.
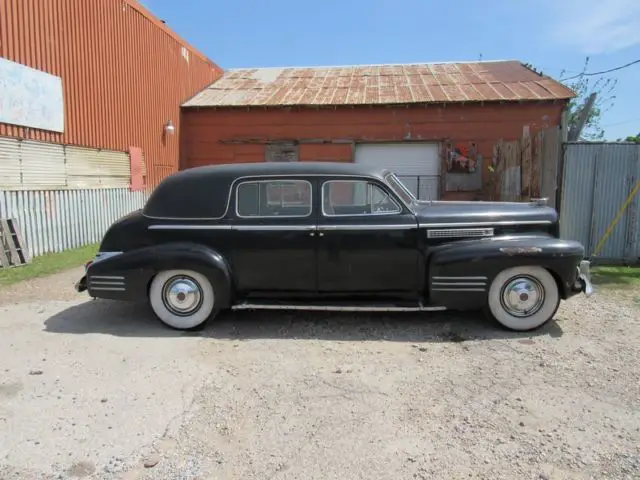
332, 236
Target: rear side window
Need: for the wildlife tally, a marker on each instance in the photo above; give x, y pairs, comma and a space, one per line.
273, 198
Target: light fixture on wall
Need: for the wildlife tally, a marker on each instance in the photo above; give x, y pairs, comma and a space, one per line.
169, 128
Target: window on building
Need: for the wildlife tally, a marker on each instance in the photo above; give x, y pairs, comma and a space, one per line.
356, 197
274, 198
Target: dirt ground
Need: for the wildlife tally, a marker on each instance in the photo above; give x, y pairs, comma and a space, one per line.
98, 389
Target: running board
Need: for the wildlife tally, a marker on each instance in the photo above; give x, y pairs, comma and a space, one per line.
335, 308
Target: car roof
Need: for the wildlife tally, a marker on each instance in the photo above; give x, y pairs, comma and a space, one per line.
285, 168
203, 192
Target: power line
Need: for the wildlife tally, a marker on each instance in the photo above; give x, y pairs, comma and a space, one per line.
622, 123
602, 72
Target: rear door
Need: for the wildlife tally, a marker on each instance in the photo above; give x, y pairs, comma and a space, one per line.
273, 237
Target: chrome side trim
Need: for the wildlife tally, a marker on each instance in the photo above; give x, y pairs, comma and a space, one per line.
330, 308
106, 283
485, 224
313, 227
459, 289
106, 277
107, 289
189, 227
460, 233
459, 278
277, 228
460, 284
367, 227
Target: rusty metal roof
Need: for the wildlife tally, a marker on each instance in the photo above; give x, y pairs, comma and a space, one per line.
380, 84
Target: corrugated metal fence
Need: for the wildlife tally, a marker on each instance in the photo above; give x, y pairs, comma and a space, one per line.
56, 220
601, 200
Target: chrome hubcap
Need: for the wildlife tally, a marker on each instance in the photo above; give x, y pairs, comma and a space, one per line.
182, 295
522, 296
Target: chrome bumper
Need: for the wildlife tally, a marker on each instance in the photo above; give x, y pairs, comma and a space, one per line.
584, 277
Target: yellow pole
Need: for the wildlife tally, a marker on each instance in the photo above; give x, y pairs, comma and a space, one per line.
617, 219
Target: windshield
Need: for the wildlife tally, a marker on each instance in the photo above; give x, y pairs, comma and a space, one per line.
400, 189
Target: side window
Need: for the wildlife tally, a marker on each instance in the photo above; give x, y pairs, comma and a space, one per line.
273, 198
356, 197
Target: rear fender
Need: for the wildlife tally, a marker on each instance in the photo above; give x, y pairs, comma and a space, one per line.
139, 266
461, 272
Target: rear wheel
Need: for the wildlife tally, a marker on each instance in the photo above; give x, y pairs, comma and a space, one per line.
523, 298
182, 299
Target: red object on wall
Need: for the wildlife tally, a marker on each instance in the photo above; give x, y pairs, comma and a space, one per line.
137, 176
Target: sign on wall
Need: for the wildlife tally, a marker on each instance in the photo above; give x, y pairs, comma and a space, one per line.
30, 98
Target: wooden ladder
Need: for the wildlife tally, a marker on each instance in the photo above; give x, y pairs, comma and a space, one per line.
13, 252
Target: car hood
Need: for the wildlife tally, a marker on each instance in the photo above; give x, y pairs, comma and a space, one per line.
485, 213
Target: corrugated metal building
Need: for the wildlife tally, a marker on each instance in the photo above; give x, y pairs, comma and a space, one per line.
436, 125
89, 94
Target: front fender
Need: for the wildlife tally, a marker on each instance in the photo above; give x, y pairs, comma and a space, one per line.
137, 267
461, 272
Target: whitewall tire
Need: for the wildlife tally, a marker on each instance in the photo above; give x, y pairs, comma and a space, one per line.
182, 299
523, 298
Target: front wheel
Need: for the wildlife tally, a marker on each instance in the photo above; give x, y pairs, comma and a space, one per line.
182, 299
523, 298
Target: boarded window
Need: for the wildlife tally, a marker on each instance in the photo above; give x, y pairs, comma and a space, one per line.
281, 152
274, 198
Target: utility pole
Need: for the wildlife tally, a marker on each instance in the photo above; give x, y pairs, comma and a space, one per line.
576, 130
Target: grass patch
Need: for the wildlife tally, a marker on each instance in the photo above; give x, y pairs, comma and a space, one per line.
48, 264
616, 276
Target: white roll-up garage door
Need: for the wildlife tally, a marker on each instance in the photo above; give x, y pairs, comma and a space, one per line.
416, 164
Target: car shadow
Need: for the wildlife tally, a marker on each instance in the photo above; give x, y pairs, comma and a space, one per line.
137, 320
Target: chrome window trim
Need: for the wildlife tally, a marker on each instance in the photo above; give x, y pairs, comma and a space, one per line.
372, 214
275, 178
247, 177
402, 186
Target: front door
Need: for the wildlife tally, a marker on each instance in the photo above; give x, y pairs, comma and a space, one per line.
367, 241
273, 238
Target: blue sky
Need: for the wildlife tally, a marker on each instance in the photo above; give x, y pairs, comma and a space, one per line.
550, 34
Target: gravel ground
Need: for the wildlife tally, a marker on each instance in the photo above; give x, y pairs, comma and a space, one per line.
98, 389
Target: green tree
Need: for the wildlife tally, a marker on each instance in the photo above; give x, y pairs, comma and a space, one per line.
584, 85
633, 138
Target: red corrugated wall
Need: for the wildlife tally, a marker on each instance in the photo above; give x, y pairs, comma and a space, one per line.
123, 72
212, 136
